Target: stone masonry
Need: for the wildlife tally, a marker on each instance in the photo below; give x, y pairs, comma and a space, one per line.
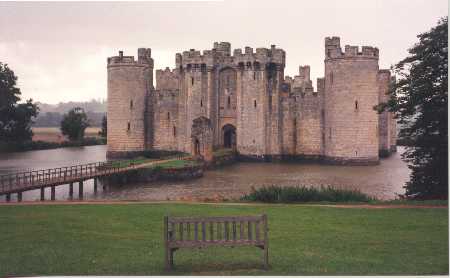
242, 100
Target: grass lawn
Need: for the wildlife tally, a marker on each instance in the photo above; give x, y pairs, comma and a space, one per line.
176, 164
303, 240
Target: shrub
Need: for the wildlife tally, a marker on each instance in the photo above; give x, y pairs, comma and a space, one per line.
297, 194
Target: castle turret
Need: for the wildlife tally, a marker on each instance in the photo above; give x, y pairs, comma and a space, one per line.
351, 92
129, 85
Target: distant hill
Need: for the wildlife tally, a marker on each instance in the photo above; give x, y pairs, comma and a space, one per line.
50, 115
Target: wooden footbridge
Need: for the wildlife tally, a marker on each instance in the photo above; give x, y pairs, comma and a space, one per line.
17, 183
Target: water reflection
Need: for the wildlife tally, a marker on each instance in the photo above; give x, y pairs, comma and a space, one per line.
383, 181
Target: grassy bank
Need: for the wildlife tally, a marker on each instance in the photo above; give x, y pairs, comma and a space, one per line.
53, 134
43, 145
304, 240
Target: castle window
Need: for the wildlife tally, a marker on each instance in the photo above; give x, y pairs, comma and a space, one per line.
201, 103
228, 102
128, 126
168, 116
192, 80
254, 103
174, 131
254, 75
356, 105
131, 104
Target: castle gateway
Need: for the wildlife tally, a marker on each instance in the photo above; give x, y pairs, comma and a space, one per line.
243, 100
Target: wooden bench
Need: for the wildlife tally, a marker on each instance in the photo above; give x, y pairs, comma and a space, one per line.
202, 232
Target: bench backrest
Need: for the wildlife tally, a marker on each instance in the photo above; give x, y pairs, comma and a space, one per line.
203, 231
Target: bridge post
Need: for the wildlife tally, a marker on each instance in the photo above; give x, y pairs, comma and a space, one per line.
80, 190
8, 197
71, 190
53, 193
95, 185
42, 193
19, 196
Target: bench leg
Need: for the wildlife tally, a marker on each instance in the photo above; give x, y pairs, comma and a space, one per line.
171, 258
167, 258
266, 257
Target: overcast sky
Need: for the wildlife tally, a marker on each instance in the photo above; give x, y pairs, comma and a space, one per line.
59, 50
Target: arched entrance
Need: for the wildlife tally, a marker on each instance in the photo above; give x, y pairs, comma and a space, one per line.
196, 147
229, 136
202, 139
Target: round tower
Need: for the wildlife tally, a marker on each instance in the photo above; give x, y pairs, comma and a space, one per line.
351, 92
129, 85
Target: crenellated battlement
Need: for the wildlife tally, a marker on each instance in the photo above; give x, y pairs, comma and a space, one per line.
333, 50
144, 59
261, 56
167, 78
221, 53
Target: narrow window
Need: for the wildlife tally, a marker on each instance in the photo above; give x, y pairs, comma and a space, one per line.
356, 105
228, 102
131, 104
254, 75
192, 80
331, 77
174, 131
128, 126
168, 115
201, 103
254, 103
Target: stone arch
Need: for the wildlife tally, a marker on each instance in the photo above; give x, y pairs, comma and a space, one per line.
229, 136
202, 139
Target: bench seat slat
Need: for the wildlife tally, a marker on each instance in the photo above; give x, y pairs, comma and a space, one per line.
194, 244
214, 219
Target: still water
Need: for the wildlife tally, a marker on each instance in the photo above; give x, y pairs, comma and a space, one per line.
383, 181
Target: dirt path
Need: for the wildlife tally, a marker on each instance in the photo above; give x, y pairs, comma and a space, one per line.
90, 202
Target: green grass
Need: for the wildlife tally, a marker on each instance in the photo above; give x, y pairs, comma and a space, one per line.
44, 145
129, 162
304, 240
297, 194
177, 164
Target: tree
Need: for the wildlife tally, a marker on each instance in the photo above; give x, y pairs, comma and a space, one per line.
15, 118
419, 97
104, 130
74, 124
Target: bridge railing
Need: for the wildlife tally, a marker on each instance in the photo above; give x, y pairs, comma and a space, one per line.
61, 174
70, 173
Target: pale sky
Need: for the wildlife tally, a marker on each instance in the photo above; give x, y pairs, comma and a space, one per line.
59, 50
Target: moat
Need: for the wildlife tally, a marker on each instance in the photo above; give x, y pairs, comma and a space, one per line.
383, 181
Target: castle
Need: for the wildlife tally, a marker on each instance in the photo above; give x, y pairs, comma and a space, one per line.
243, 100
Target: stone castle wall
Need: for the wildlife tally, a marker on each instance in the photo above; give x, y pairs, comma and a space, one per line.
384, 121
166, 119
351, 92
129, 84
247, 93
